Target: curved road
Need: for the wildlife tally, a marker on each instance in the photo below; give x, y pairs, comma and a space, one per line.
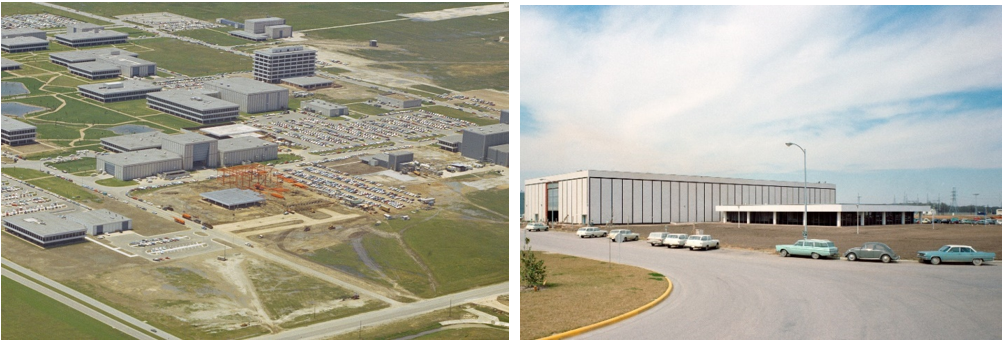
741, 294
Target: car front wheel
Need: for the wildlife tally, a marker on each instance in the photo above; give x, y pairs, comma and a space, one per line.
977, 261
784, 253
851, 257
815, 255
935, 260
886, 258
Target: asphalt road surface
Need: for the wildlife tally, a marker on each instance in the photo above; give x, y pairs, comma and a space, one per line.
741, 294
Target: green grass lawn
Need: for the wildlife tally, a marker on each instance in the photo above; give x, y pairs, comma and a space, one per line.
467, 334
33, 315
367, 109
113, 182
66, 189
65, 84
97, 133
344, 258
335, 70
284, 158
12, 8
397, 264
171, 121
192, 59
496, 200
75, 111
453, 113
136, 107
482, 245
431, 89
47, 130
22, 173
133, 33
214, 36
86, 163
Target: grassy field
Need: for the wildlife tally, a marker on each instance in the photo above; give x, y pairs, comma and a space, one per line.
133, 33
335, 70
192, 59
136, 107
397, 264
284, 158
367, 109
75, 111
495, 200
33, 315
299, 15
86, 163
22, 173
344, 258
467, 334
66, 83
483, 245
66, 189
62, 152
12, 8
431, 89
406, 327
48, 130
614, 289
113, 182
212, 36
453, 113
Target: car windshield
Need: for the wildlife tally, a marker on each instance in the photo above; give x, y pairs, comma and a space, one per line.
945, 248
656, 234
693, 237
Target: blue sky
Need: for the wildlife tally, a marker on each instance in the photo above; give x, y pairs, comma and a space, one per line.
889, 101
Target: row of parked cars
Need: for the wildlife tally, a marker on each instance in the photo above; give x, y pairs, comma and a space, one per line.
814, 248
973, 221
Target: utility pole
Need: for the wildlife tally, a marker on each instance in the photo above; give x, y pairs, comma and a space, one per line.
858, 213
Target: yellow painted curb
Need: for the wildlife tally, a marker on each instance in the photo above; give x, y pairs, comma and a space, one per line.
617, 319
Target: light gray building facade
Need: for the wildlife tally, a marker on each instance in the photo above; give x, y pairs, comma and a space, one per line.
99, 222
197, 151
324, 107
596, 197
44, 229
198, 106
138, 164
118, 91
499, 154
399, 100
241, 150
23, 44
251, 96
91, 38
274, 64
22, 32
476, 141
15, 132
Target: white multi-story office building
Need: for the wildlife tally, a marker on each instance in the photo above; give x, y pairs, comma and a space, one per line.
274, 64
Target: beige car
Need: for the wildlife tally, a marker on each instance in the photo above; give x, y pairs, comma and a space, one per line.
626, 235
675, 240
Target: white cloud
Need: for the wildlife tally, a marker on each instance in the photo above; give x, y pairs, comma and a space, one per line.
717, 90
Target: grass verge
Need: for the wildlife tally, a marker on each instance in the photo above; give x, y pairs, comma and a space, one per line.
83, 164
33, 315
113, 182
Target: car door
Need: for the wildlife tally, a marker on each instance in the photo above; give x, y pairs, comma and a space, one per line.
954, 255
800, 249
967, 254
870, 251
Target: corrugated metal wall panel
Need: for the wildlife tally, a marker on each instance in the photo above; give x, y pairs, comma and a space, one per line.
638, 204
648, 202
595, 201
606, 201
666, 202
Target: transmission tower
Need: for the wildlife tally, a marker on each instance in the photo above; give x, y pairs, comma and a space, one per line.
954, 199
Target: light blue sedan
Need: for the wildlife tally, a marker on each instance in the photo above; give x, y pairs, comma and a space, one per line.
956, 253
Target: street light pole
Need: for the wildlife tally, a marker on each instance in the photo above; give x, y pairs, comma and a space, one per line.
805, 187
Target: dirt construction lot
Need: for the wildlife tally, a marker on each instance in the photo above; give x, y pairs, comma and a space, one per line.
906, 240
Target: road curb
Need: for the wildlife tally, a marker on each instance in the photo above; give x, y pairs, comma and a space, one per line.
614, 320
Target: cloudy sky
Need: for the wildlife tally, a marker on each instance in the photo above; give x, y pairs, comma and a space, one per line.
890, 102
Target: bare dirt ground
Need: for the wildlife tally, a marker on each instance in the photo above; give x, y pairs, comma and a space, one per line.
461, 12
354, 167
29, 149
144, 222
906, 240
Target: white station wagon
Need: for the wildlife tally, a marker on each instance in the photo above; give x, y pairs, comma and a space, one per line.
536, 226
675, 240
590, 231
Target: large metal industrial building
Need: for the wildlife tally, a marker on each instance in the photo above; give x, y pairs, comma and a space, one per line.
240, 150
153, 153
595, 197
250, 95
47, 229
264, 28
477, 141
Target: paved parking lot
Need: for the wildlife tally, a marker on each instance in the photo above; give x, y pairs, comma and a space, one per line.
174, 245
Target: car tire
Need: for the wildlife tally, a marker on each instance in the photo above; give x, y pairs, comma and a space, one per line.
784, 253
886, 258
690, 249
935, 260
651, 244
853, 257
669, 246
717, 246
815, 255
977, 261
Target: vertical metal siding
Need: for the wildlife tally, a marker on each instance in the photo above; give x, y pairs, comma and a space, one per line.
595, 202
648, 202
617, 201
691, 209
606, 201
666, 202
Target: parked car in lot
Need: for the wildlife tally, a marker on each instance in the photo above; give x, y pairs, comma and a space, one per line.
704, 242
536, 226
625, 234
815, 248
955, 253
675, 240
657, 238
590, 231
872, 251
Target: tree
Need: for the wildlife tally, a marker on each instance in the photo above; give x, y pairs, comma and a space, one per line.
532, 269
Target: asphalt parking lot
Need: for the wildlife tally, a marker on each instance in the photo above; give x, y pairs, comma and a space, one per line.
178, 245
745, 294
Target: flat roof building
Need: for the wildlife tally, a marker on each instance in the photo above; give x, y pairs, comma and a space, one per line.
308, 82
197, 151
118, 91
95, 70
16, 133
138, 164
399, 100
324, 107
241, 150
274, 64
476, 141
23, 44
499, 154
65, 58
134, 142
22, 32
251, 96
91, 38
392, 160
83, 27
450, 143
822, 214
6, 64
595, 197
44, 229
198, 106
105, 63
504, 116
227, 131
233, 198
100, 222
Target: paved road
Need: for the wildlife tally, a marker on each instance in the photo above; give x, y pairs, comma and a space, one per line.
338, 326
77, 306
739, 294
116, 313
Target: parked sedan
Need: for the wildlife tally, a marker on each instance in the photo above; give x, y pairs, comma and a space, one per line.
590, 231
675, 240
536, 226
872, 251
657, 238
624, 234
956, 253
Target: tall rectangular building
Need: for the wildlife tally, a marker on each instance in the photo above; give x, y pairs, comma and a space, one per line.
273, 64
197, 151
250, 95
476, 141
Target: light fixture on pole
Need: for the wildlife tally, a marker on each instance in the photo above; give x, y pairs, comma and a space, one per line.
805, 187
